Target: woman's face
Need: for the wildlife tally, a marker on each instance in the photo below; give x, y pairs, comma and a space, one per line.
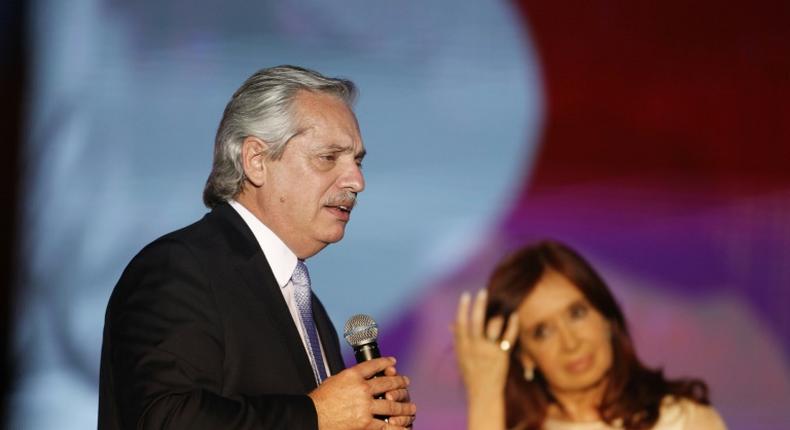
564, 335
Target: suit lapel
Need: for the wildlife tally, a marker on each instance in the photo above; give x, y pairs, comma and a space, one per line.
256, 273
328, 335
258, 277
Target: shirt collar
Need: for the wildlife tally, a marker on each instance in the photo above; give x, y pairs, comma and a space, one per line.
281, 259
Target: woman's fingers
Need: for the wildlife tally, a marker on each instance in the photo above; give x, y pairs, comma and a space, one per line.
494, 328
462, 317
478, 314
511, 332
472, 324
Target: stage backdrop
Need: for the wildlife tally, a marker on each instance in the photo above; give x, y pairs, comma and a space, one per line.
653, 138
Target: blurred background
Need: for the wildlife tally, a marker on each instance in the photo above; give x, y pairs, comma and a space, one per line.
653, 137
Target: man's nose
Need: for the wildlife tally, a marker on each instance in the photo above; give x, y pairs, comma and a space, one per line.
352, 178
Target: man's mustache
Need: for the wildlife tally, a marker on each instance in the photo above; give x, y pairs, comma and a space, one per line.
344, 198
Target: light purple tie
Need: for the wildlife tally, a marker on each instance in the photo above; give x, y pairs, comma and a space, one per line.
301, 282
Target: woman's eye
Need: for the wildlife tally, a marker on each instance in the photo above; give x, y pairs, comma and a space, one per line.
328, 157
540, 332
578, 311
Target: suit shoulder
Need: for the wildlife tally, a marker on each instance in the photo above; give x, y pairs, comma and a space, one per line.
210, 235
184, 249
204, 250
199, 234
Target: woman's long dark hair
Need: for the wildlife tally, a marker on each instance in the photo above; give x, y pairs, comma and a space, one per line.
633, 393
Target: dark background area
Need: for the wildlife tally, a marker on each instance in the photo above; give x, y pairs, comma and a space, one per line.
12, 87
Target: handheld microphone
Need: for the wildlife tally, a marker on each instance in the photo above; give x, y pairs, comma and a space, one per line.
361, 332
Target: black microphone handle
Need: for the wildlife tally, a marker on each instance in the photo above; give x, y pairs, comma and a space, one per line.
367, 352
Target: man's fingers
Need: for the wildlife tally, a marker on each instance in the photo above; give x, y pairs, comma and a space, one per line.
384, 425
399, 395
390, 408
383, 384
367, 369
401, 421
478, 314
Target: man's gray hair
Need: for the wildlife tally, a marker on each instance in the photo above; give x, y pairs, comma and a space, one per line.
263, 107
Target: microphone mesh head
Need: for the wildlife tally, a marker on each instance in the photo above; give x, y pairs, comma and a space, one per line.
360, 329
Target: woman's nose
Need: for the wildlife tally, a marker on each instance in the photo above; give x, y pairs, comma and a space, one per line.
568, 337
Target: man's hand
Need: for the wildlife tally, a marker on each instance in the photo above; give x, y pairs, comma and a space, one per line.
345, 401
399, 395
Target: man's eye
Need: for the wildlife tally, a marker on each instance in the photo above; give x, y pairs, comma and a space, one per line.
328, 157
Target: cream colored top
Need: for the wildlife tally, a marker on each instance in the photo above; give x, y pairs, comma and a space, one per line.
675, 415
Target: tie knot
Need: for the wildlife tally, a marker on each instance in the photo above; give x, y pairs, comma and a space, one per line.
300, 276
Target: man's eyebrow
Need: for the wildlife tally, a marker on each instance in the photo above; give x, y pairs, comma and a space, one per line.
346, 148
299, 132
335, 147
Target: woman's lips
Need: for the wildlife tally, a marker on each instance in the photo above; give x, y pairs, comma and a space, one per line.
579, 365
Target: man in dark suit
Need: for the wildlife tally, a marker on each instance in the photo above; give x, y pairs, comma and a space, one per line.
214, 326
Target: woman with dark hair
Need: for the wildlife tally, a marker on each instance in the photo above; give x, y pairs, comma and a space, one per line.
547, 347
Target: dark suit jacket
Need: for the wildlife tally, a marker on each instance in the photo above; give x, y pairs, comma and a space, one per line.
198, 336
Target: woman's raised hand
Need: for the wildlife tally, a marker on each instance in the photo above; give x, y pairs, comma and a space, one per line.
483, 350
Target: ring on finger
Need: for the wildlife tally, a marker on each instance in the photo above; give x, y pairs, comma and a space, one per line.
505, 345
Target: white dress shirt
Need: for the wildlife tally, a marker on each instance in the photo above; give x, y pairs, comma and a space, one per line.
282, 261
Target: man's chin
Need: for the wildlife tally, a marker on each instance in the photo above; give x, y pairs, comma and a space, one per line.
333, 236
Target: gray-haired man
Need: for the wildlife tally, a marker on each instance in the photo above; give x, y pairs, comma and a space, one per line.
214, 326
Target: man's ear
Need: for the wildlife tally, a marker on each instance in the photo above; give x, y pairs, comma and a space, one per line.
253, 157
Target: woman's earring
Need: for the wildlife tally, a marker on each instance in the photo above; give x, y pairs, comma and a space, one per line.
529, 373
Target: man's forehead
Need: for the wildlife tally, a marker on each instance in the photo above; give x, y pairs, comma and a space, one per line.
319, 140
314, 105
311, 108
